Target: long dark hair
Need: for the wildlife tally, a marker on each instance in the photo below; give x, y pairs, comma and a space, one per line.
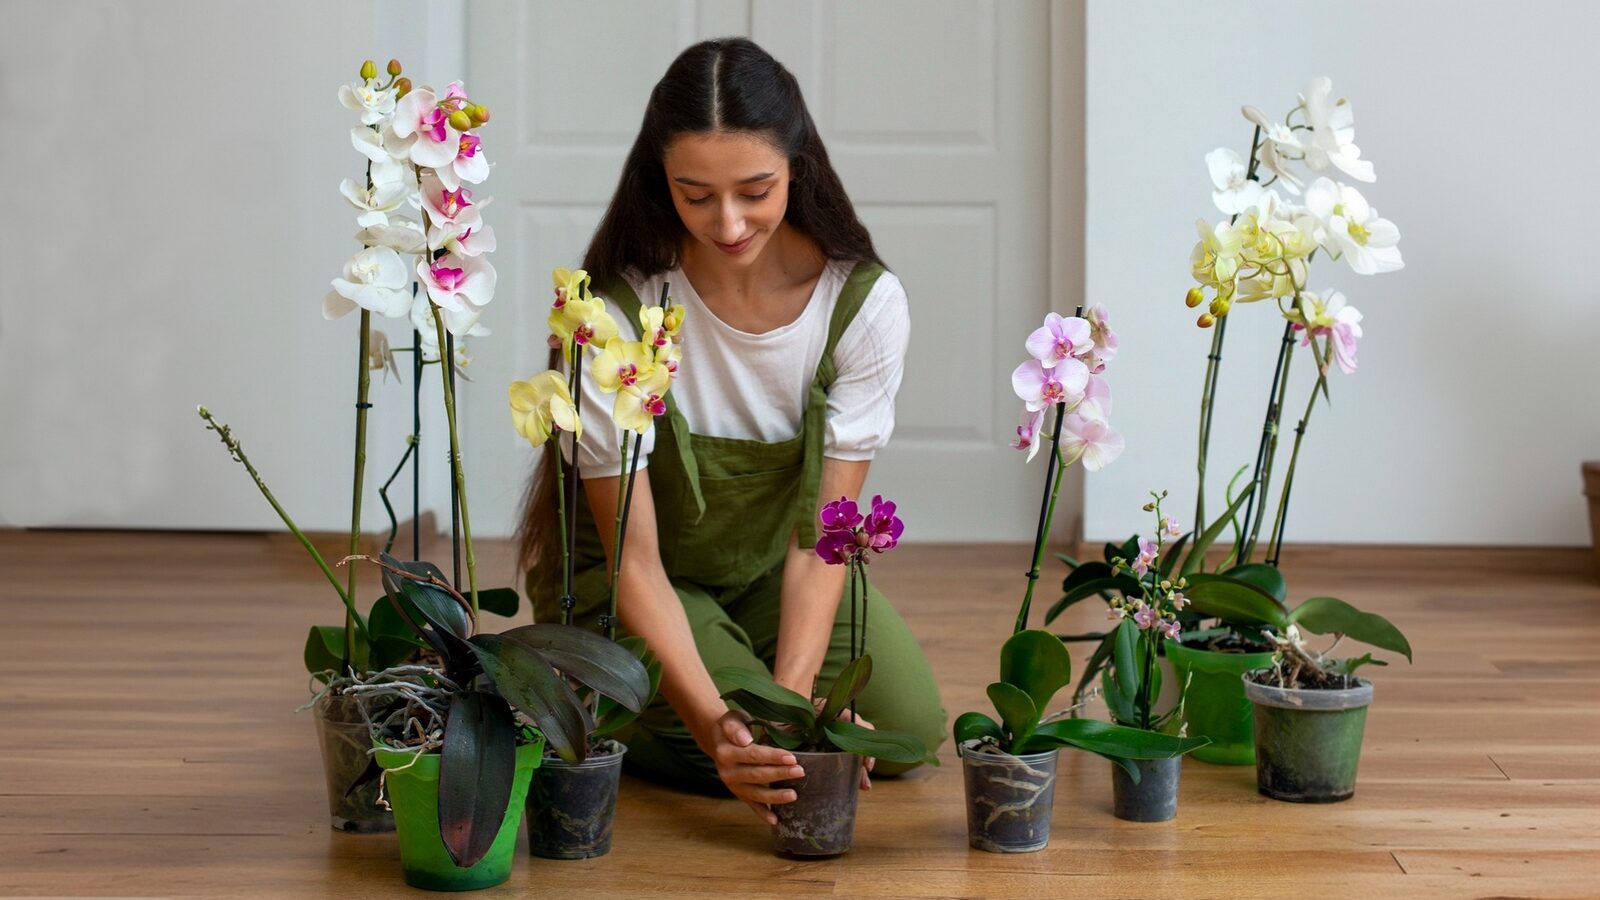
729, 84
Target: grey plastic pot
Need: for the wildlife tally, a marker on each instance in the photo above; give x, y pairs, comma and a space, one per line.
1009, 798
1308, 742
571, 806
345, 739
1154, 798
822, 819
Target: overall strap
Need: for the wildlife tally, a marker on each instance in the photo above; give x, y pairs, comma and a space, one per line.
851, 297
622, 294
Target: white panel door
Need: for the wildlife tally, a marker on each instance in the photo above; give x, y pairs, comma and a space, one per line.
936, 116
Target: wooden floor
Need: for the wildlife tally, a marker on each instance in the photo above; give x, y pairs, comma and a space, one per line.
148, 682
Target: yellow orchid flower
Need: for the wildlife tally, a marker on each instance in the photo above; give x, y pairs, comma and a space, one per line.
541, 405
651, 327
639, 403
622, 364
582, 320
673, 321
570, 285
1215, 260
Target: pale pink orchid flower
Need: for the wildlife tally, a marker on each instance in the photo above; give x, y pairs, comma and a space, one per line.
1171, 527
1096, 403
1146, 617
1169, 627
1105, 340
1179, 601
1147, 557
1028, 432
1116, 614
1040, 387
1095, 443
1060, 338
460, 286
423, 130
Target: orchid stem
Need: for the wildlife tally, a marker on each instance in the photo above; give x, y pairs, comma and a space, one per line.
363, 383
569, 492
1267, 450
1275, 544
1054, 470
456, 467
624, 495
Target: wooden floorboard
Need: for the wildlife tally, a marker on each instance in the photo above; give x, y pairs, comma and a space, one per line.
152, 748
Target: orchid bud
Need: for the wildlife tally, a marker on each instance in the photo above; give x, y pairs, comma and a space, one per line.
369, 70
402, 87
1193, 298
862, 540
1206, 320
478, 113
1219, 307
460, 121
1149, 507
1166, 585
394, 67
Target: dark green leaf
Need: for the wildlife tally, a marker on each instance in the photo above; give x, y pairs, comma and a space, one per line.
1174, 553
1037, 662
1086, 636
975, 726
1083, 574
1197, 553
500, 601
526, 679
1129, 548
1349, 666
1263, 576
767, 712
610, 716
1116, 740
1234, 601
1329, 615
1070, 561
1121, 710
371, 773
440, 637
477, 765
888, 746
591, 658
761, 684
324, 650
1095, 665
849, 685
782, 737
1124, 584
1016, 710
1125, 661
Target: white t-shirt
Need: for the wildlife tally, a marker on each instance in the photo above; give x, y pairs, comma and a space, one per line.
754, 386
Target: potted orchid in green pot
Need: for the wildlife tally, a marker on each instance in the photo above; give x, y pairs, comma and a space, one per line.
821, 731
457, 740
1009, 760
572, 804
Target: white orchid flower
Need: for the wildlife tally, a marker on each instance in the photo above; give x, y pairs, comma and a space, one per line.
376, 279
375, 202
399, 234
1333, 132
1234, 193
1278, 147
374, 103
428, 335
1092, 441
1347, 226
422, 130
460, 286
470, 164
385, 169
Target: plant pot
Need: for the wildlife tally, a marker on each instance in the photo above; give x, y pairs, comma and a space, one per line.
1591, 490
1154, 798
822, 819
1215, 705
1009, 798
345, 740
414, 793
571, 806
1308, 742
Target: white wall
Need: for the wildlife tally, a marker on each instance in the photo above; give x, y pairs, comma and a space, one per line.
1476, 396
176, 220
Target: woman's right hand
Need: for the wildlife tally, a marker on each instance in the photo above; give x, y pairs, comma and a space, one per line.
748, 768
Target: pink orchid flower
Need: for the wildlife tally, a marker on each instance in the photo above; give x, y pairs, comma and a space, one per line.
459, 286
1040, 387
1060, 338
1169, 627
1094, 442
1028, 433
1146, 558
423, 130
1146, 617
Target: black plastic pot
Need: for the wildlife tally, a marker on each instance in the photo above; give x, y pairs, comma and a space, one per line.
822, 819
1308, 741
1009, 798
571, 806
1154, 798
346, 739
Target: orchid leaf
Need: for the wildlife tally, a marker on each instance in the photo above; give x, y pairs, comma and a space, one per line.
500, 601
849, 685
592, 659
1095, 665
889, 746
1197, 553
1174, 553
1124, 661
1113, 740
324, 651
1239, 602
477, 765
1037, 662
1329, 615
975, 726
525, 678
1016, 710
1268, 578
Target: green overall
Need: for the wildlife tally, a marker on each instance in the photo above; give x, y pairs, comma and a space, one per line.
726, 509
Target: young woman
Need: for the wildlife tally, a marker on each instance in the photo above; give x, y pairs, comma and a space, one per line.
793, 348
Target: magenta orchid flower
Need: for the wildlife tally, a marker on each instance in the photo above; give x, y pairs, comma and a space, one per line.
847, 534
883, 528
423, 130
1059, 339
840, 515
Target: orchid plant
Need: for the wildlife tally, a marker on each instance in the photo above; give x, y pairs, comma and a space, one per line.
1262, 251
1068, 356
826, 721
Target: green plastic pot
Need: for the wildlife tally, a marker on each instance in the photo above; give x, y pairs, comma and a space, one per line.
413, 791
1308, 742
1215, 705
